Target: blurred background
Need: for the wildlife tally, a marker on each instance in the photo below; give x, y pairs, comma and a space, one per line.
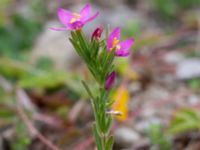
43, 105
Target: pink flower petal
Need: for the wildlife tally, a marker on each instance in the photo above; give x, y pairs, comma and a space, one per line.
114, 34
64, 16
122, 53
124, 48
126, 44
91, 18
76, 25
85, 12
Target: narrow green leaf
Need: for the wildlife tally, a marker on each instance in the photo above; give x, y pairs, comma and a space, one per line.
108, 123
103, 122
83, 43
109, 143
76, 47
109, 103
73, 35
44, 80
97, 138
88, 90
185, 120
80, 47
108, 61
96, 50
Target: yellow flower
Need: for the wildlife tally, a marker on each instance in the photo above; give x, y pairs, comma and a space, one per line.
121, 97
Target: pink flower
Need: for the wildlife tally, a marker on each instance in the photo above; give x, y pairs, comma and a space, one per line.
97, 33
75, 21
120, 48
110, 80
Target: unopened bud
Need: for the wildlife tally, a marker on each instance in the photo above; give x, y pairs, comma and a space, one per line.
110, 80
97, 33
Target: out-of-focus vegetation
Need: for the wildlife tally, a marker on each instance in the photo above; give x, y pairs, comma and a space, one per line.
18, 36
159, 139
185, 120
18, 31
23, 139
194, 83
169, 9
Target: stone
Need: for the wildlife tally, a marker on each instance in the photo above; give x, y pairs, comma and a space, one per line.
125, 136
56, 46
174, 57
143, 126
188, 69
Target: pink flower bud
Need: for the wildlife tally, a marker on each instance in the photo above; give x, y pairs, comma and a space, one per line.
110, 80
97, 33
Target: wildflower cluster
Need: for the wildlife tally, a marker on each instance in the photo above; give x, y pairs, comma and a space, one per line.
98, 54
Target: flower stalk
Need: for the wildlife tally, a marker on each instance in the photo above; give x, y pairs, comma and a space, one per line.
100, 64
98, 54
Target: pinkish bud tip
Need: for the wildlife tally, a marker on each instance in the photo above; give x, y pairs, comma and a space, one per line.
97, 33
110, 80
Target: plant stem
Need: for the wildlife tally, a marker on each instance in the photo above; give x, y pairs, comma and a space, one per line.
99, 69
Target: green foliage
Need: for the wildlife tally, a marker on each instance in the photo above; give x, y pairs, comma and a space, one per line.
185, 120
3, 5
100, 64
97, 137
18, 36
158, 139
19, 31
40, 9
8, 117
6, 113
109, 143
29, 77
44, 63
194, 84
187, 4
132, 28
13, 69
22, 139
167, 9
43, 80
4, 2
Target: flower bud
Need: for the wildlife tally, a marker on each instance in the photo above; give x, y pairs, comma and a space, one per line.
97, 33
110, 80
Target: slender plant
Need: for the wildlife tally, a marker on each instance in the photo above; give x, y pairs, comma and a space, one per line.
98, 54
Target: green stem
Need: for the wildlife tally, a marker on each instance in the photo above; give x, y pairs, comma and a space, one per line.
104, 140
99, 69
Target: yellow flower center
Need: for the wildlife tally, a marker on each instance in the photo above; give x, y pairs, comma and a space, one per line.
115, 44
118, 46
75, 18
